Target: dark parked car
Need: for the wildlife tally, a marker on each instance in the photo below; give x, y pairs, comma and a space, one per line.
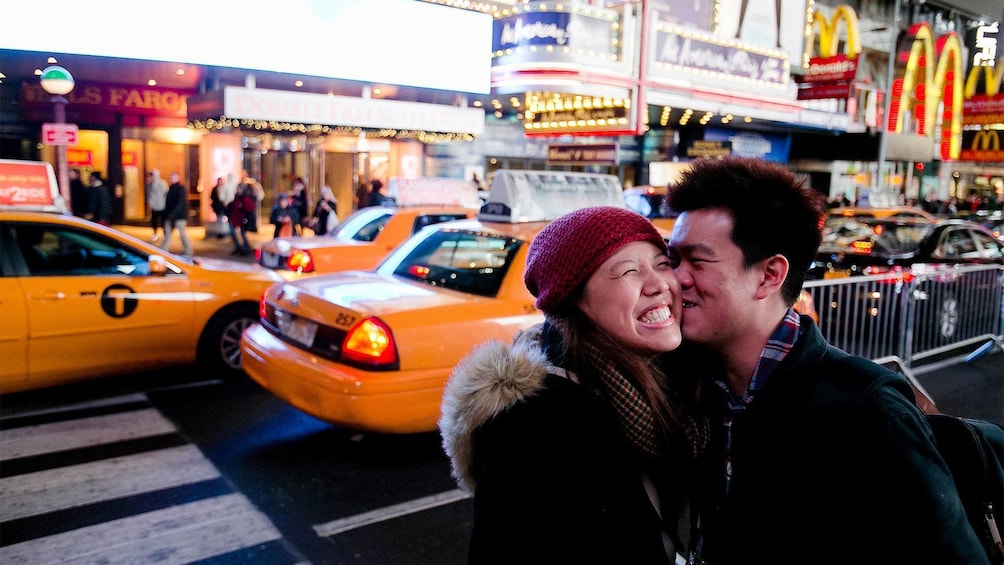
888, 276
868, 246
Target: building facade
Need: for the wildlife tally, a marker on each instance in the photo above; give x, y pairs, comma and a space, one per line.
638, 89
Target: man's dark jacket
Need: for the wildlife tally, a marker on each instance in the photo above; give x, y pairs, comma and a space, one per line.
832, 463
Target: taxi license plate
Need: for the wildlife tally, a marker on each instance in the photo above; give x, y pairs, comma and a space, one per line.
270, 260
300, 331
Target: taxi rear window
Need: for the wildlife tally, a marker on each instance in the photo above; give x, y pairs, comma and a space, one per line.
469, 262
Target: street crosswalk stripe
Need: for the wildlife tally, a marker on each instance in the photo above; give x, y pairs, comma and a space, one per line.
179, 534
62, 409
84, 432
389, 512
36, 493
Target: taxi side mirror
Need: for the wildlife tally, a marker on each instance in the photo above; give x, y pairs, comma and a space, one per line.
157, 265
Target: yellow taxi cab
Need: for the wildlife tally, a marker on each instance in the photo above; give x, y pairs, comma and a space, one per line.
369, 234
372, 350
79, 300
895, 212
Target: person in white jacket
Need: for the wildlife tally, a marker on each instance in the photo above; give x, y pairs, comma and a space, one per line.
156, 199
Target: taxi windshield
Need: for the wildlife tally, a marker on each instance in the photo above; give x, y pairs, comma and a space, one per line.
363, 225
466, 261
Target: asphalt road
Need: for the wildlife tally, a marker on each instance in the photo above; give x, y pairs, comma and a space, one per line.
177, 466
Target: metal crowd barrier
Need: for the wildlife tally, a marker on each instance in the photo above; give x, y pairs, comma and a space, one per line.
911, 315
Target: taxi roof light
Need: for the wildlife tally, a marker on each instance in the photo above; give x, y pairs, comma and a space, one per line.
520, 196
370, 342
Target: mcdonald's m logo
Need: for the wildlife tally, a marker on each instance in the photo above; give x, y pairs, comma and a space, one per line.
829, 39
983, 145
930, 71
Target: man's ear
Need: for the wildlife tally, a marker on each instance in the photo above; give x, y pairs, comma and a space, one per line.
774, 272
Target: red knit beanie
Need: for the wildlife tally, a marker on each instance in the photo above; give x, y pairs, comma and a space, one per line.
569, 249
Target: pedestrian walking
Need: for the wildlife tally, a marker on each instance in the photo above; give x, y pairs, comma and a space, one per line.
324, 220
156, 199
176, 215
242, 216
99, 201
284, 216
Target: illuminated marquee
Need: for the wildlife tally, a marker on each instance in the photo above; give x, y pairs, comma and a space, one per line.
922, 86
556, 113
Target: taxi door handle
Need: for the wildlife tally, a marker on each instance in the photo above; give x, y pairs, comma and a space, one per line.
50, 295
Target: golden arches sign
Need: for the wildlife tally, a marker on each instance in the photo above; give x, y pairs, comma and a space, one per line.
986, 140
829, 39
993, 76
984, 146
923, 88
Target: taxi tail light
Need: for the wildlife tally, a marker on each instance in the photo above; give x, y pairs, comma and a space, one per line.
370, 342
300, 261
263, 305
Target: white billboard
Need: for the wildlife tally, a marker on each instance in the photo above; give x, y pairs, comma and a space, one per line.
401, 42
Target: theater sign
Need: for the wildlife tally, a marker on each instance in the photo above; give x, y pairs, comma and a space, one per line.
259, 108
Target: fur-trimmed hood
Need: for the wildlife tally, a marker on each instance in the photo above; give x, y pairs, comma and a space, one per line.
492, 378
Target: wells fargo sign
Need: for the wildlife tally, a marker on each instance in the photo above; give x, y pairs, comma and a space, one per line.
929, 71
99, 102
983, 145
830, 74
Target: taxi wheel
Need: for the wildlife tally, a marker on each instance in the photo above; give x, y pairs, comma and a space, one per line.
220, 346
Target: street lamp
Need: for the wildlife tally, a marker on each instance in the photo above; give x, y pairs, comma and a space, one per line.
58, 82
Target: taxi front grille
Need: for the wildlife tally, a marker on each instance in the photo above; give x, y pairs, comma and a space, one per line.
327, 341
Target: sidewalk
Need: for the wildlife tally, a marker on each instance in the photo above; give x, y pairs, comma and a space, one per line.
204, 245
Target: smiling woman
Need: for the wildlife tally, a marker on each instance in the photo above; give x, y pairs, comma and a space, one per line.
578, 450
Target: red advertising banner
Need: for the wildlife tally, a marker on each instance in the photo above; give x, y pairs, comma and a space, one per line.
981, 109
830, 69
27, 184
79, 158
819, 91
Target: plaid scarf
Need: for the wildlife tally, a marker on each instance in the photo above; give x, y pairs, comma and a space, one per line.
633, 410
